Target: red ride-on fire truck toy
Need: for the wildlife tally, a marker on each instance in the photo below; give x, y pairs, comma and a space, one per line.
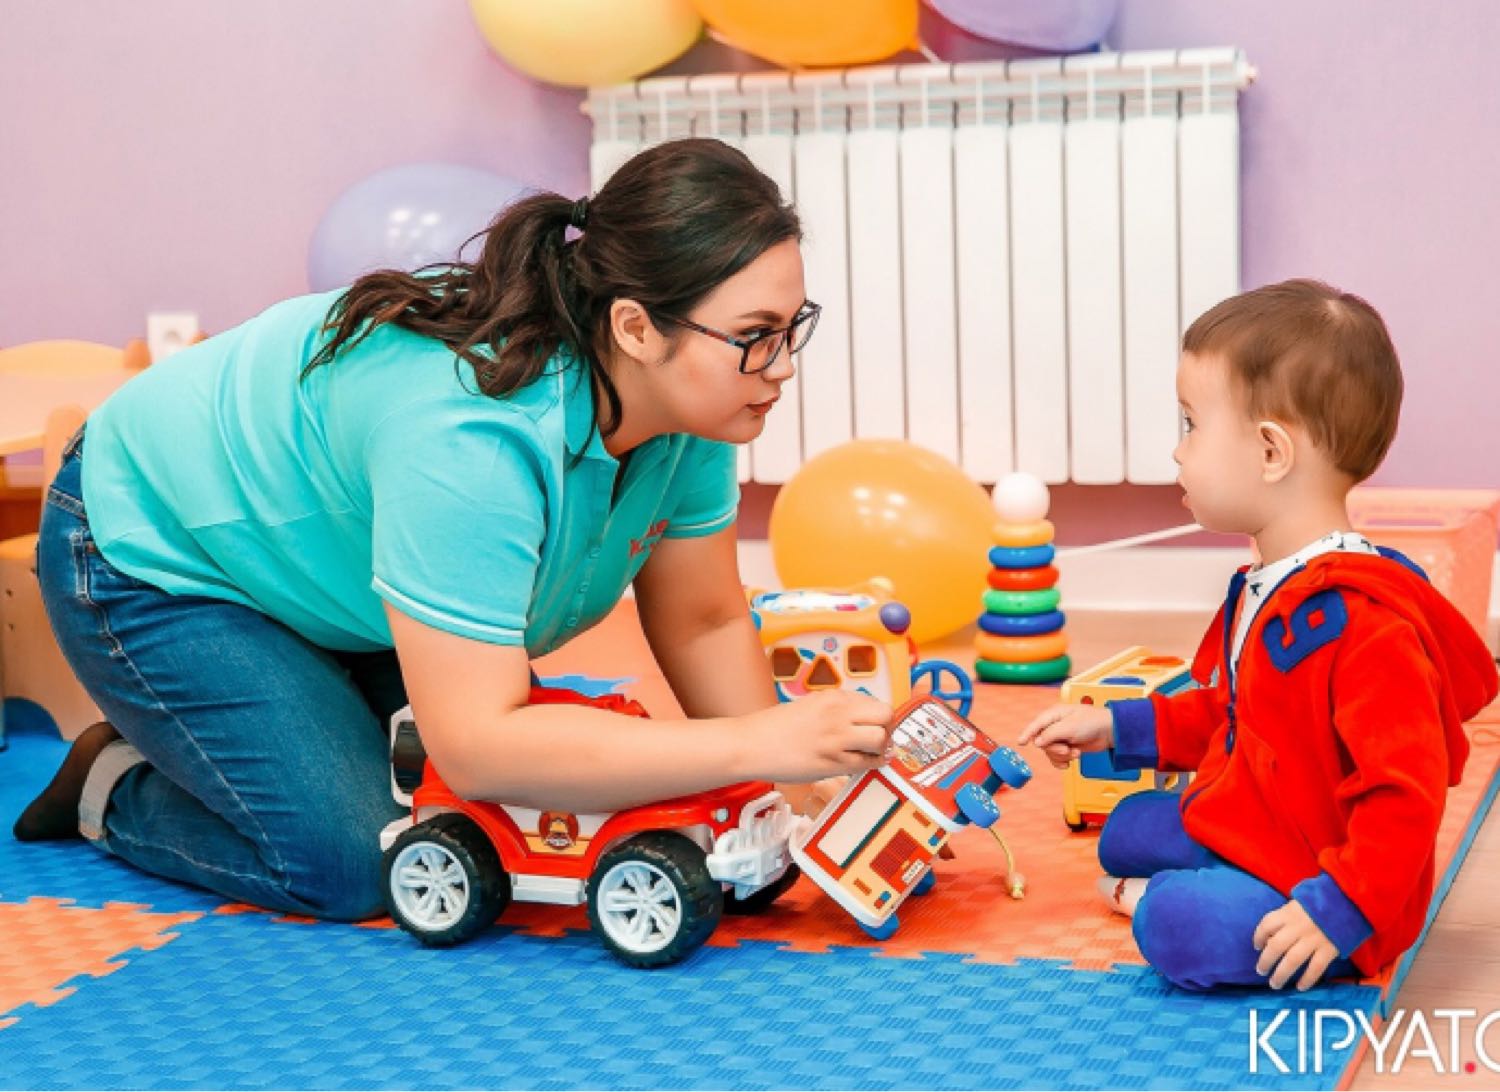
656, 878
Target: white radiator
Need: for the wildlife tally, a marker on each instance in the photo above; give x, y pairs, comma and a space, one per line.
1006, 253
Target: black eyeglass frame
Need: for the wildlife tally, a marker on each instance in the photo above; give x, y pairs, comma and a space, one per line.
807, 315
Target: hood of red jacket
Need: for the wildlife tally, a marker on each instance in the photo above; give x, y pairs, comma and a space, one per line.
1466, 665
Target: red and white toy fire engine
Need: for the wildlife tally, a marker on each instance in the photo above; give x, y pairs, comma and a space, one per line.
656, 878
874, 844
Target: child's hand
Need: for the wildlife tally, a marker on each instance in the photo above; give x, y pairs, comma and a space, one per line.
1288, 939
1067, 731
821, 735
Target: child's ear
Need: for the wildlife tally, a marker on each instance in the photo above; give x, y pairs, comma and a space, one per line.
1277, 452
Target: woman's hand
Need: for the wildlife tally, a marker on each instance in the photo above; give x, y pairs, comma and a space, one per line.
810, 800
821, 735
1066, 731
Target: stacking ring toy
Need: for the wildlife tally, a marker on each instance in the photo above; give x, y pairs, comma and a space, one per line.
1022, 602
1023, 579
1022, 625
1044, 646
1044, 671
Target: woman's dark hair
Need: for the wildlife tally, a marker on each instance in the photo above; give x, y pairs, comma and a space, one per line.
665, 230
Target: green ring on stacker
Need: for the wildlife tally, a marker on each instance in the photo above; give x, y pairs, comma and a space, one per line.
1040, 671
1022, 602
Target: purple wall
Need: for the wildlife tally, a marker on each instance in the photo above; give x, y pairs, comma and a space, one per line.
172, 154
175, 154
1371, 160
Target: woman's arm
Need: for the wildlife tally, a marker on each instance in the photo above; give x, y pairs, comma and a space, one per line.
695, 617
469, 699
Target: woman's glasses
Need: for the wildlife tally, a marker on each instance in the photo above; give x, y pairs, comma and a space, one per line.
758, 351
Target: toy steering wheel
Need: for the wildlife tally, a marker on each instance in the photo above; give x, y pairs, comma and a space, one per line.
961, 697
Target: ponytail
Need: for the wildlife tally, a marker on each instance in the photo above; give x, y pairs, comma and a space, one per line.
668, 228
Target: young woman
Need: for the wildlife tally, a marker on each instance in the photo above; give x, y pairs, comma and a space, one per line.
459, 469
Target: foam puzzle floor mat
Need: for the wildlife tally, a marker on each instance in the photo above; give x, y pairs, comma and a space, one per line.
113, 979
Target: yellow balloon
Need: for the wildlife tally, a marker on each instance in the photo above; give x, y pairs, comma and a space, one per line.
887, 508
587, 43
795, 33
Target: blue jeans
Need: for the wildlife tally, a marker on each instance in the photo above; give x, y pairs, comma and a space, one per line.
266, 776
1196, 921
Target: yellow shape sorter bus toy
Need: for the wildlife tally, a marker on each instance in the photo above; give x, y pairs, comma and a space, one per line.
1091, 784
850, 639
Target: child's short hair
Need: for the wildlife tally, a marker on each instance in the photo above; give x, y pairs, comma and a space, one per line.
1306, 353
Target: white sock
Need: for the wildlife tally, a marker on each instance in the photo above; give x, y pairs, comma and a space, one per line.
1121, 895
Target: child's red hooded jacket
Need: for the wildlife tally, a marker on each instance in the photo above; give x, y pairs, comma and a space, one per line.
1326, 772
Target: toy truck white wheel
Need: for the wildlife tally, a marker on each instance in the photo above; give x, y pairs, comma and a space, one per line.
652, 901
759, 902
443, 881
1009, 767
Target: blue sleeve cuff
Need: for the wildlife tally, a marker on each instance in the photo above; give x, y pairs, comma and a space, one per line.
1333, 912
1135, 735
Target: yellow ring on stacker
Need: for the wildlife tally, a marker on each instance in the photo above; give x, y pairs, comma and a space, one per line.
1020, 535
1020, 650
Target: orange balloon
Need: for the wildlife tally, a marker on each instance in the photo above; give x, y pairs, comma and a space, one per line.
795, 33
887, 508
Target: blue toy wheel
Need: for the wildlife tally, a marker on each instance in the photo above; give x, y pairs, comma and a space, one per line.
977, 806
1009, 767
884, 931
926, 883
961, 697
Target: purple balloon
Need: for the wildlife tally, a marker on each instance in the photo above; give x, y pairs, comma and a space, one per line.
1056, 26
404, 218
948, 42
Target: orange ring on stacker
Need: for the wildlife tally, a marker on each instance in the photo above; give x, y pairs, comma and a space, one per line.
1036, 533
1020, 650
1038, 579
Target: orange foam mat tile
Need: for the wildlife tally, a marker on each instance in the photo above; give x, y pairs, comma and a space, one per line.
49, 942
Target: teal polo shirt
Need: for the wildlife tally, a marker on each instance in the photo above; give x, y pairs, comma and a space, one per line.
384, 476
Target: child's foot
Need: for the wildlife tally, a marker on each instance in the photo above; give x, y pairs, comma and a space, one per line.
1122, 895
54, 814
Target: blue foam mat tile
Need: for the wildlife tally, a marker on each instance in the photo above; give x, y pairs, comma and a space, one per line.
243, 1001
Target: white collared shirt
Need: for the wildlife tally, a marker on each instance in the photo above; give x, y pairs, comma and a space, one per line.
1261, 581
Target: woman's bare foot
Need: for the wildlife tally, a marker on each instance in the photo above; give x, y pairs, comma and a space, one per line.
53, 815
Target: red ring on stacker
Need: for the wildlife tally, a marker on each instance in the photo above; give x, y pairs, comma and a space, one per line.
1023, 579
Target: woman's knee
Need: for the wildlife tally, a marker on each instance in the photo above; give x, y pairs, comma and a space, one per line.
345, 883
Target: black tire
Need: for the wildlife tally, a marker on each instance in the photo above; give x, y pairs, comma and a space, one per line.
468, 904
675, 876
760, 901
1077, 828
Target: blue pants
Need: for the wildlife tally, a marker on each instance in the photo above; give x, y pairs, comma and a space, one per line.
266, 776
1196, 921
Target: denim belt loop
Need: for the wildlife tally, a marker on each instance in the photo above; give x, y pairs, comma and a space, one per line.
75, 442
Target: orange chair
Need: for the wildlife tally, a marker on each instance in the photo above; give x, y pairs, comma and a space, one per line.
31, 665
